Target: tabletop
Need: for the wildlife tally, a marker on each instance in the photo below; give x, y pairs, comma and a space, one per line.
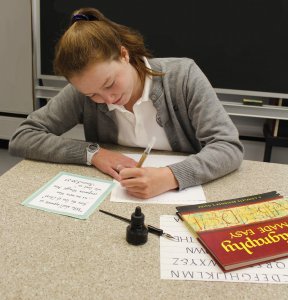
49, 256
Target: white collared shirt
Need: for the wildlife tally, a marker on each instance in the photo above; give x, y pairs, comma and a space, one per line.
137, 129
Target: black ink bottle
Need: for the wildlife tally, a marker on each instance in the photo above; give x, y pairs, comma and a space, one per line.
137, 232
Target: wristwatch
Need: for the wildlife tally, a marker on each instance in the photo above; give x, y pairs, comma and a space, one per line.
91, 150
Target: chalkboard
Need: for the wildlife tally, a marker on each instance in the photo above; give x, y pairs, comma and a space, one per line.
240, 45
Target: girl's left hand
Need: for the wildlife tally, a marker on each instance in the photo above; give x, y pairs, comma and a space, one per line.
145, 183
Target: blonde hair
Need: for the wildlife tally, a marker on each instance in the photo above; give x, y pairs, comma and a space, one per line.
93, 38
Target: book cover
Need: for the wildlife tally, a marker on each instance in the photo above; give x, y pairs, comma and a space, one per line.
241, 232
247, 245
229, 202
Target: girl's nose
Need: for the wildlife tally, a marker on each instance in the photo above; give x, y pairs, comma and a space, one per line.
110, 98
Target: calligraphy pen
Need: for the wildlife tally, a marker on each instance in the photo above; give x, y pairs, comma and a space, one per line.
146, 152
151, 228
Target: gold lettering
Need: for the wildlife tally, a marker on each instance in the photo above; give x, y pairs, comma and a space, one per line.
240, 233
261, 229
259, 242
248, 244
284, 236
226, 245
236, 234
272, 227
275, 238
244, 247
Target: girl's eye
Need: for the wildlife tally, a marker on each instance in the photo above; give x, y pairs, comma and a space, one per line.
109, 86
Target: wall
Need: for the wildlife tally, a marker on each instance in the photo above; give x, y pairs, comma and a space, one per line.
16, 97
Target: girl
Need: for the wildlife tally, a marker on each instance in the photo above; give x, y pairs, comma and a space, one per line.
123, 96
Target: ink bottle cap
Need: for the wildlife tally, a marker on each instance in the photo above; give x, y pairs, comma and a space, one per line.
137, 232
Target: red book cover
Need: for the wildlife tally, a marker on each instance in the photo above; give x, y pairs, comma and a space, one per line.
241, 232
247, 245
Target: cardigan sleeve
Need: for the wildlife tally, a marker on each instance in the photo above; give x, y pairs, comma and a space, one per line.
40, 137
222, 150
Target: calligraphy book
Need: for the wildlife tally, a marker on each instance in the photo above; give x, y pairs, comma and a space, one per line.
241, 232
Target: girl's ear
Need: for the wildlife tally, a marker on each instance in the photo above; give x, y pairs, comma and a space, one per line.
124, 54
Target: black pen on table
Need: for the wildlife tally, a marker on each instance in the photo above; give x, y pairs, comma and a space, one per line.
146, 152
151, 228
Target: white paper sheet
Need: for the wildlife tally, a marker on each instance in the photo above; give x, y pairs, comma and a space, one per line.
186, 259
193, 195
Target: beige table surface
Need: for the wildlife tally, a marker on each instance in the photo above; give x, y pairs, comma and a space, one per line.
49, 256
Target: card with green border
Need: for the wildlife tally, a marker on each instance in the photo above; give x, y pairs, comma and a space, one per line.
71, 195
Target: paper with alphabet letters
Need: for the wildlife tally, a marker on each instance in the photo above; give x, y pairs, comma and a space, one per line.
71, 195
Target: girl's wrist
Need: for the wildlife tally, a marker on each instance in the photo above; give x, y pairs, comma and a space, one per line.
169, 178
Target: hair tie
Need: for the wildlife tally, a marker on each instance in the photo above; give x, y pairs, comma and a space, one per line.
82, 17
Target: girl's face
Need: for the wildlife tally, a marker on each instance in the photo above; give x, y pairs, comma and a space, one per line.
111, 82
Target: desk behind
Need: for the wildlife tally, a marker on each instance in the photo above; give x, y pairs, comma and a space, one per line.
45, 255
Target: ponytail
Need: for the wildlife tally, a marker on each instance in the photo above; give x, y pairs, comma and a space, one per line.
93, 38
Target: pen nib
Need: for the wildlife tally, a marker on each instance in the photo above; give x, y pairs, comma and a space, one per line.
168, 236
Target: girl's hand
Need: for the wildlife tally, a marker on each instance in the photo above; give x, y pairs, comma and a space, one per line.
145, 183
111, 162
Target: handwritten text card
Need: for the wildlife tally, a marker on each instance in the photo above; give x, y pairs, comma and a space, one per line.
71, 195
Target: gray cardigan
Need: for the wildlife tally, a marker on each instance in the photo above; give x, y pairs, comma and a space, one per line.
187, 107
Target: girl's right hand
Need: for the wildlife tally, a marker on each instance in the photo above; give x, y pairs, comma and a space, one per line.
110, 162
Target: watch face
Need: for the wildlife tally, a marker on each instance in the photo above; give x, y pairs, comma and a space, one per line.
93, 147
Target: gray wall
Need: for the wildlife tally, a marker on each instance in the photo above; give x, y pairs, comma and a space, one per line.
16, 89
